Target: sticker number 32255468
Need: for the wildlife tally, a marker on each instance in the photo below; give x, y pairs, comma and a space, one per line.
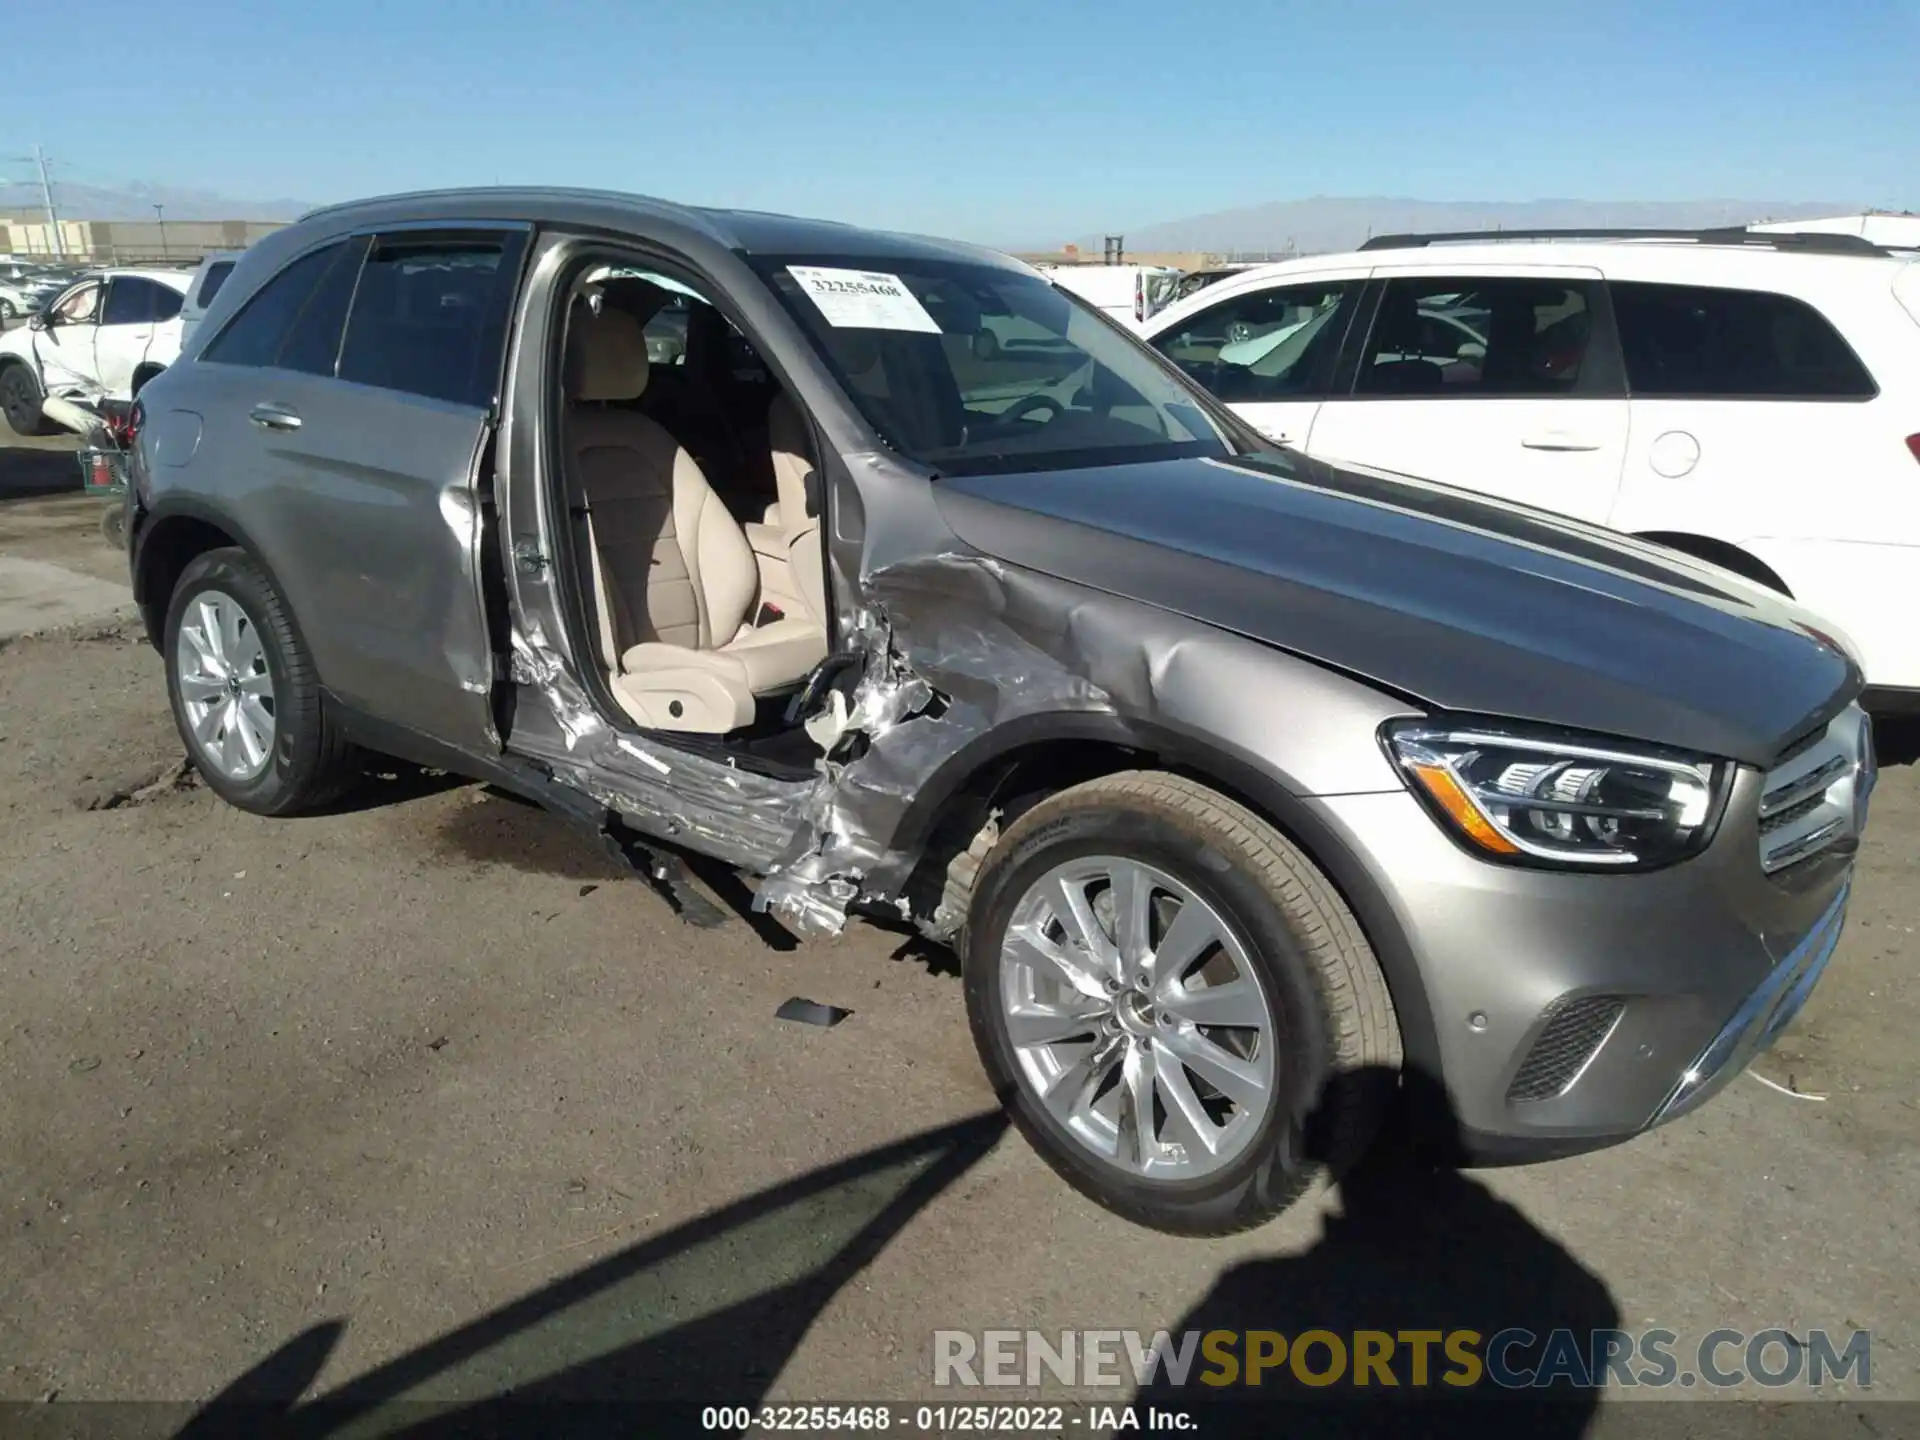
863, 299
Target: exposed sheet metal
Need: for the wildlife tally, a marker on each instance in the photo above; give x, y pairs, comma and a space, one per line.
955, 647
707, 805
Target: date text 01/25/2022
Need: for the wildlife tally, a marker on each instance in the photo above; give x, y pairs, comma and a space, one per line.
944, 1419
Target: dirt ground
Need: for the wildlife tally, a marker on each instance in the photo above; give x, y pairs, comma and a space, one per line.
425, 1098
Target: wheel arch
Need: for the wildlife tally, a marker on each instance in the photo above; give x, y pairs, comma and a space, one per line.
142, 374
1016, 765
1723, 553
171, 537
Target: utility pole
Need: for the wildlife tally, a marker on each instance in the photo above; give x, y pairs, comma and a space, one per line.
39, 160
46, 194
160, 214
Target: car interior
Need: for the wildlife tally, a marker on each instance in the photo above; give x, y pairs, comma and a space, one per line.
696, 516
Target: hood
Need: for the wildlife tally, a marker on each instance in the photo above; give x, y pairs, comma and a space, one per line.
1453, 600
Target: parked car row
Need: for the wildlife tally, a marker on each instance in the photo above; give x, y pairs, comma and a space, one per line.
1752, 399
1257, 793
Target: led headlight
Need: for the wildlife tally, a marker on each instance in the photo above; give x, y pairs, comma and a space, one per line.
1548, 798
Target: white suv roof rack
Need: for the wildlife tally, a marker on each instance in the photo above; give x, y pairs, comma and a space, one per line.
1808, 240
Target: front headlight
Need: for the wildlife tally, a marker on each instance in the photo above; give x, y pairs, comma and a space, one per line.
1538, 797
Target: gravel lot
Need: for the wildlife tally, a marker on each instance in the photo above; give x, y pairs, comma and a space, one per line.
423, 1092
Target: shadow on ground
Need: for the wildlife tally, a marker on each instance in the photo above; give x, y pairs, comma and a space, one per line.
713, 1311
25, 472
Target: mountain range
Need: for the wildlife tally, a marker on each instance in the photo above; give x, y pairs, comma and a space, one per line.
135, 201
1321, 223
1326, 223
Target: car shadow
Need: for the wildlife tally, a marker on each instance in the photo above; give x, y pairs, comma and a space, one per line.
712, 1311
383, 781
708, 1313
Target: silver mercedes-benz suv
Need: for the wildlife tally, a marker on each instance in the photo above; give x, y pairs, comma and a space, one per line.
1252, 792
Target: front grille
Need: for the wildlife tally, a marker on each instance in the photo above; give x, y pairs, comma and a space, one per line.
1808, 801
1575, 1029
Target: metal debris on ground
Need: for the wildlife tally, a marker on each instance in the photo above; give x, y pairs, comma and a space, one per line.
811, 1012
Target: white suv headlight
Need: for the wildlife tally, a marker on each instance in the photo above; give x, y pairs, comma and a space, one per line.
1538, 797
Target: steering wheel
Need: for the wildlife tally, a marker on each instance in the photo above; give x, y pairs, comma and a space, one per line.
1020, 409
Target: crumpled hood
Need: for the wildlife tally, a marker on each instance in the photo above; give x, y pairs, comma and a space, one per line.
1456, 601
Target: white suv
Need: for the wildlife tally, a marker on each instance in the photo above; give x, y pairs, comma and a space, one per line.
1753, 399
102, 338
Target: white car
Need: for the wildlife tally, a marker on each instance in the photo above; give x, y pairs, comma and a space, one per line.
202, 286
103, 337
1750, 398
15, 300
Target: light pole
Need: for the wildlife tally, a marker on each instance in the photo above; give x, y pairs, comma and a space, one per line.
160, 214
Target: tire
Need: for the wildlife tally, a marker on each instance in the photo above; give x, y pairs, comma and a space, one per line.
20, 398
7, 312
1331, 1032
113, 524
307, 761
143, 379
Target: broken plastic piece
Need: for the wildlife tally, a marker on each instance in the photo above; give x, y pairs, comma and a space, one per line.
667, 873
811, 1012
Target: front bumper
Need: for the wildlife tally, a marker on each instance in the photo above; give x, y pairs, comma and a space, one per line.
1571, 1011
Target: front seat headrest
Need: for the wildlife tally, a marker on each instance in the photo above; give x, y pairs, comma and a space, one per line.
609, 355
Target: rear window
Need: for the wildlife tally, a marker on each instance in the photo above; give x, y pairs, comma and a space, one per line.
268, 322
211, 282
430, 316
1700, 342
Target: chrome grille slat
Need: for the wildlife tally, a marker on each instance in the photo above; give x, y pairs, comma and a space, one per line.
1808, 800
1791, 793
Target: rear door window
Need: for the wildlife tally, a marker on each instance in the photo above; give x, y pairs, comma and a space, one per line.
130, 301
430, 315
1453, 338
166, 303
1702, 342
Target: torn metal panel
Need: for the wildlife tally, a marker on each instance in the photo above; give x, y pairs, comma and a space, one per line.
957, 646
707, 805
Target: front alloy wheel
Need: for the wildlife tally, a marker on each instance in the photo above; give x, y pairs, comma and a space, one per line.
20, 399
1177, 1007
1137, 1018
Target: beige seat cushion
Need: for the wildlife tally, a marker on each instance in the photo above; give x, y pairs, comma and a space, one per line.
675, 580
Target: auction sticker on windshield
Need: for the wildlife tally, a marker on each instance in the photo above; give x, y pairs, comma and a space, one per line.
863, 299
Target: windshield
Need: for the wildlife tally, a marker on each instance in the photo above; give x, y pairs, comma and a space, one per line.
970, 369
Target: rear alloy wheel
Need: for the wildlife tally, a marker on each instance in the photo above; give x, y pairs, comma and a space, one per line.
1180, 1011
20, 399
245, 696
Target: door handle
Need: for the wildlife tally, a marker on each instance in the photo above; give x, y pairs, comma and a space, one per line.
1559, 440
274, 417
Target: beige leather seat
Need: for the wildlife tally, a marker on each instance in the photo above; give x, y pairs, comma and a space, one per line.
787, 543
674, 580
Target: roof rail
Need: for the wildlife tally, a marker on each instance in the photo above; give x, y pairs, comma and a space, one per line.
1814, 240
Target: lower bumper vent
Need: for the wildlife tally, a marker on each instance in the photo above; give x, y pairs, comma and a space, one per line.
1574, 1030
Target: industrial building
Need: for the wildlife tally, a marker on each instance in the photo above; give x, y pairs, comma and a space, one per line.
126, 242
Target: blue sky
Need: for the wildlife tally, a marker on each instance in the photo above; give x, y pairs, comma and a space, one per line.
1008, 123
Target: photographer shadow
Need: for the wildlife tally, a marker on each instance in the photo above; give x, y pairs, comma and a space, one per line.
1414, 1246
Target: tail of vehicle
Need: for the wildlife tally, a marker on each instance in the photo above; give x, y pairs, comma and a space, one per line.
1906, 289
